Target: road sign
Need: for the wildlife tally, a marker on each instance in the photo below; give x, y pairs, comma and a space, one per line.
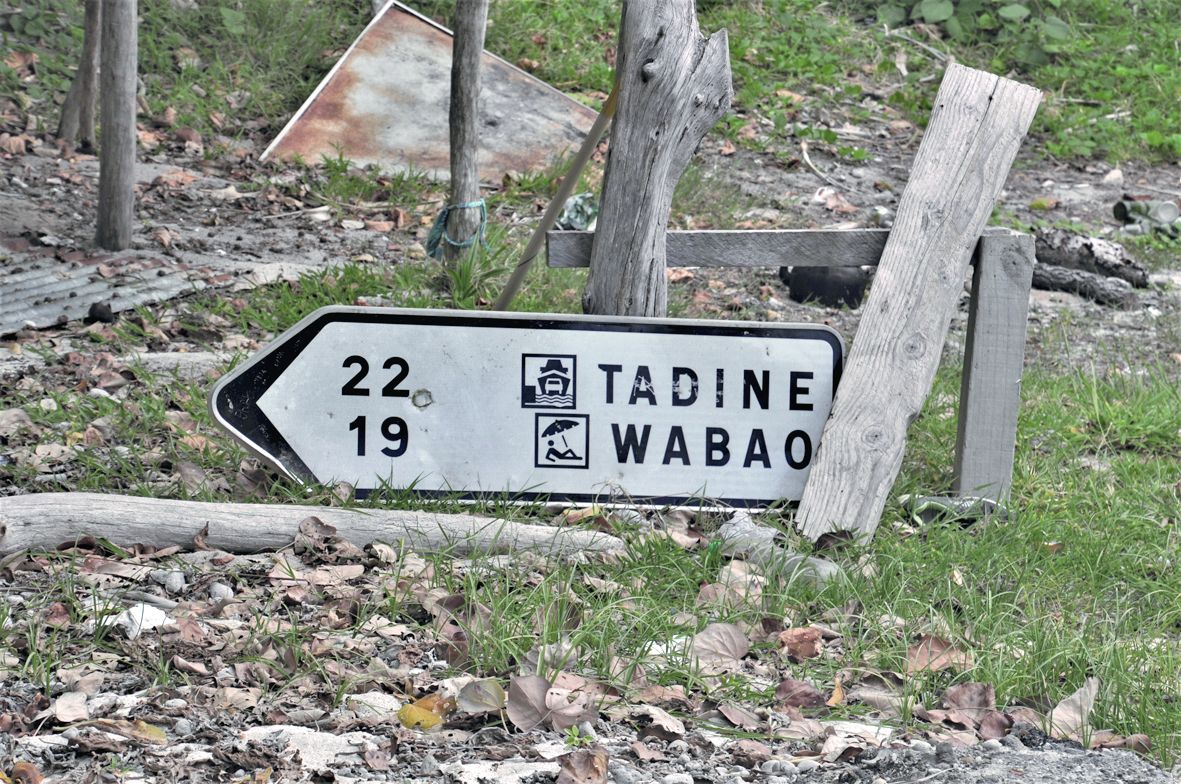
467, 404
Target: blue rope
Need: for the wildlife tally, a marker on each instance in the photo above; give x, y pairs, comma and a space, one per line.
439, 235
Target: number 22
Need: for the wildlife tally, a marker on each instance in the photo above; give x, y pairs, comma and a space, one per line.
389, 390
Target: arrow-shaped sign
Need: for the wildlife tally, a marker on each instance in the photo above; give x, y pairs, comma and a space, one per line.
464, 404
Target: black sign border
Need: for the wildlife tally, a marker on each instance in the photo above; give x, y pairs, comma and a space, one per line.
234, 401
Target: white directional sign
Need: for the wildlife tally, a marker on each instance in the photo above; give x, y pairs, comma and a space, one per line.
467, 404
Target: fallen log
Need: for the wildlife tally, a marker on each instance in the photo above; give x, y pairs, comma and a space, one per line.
1102, 257
1104, 290
45, 520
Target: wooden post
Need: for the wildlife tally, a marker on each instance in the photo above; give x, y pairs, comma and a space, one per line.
994, 355
975, 131
77, 116
467, 47
674, 84
116, 177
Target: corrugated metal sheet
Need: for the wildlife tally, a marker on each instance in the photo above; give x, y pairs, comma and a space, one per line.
42, 287
386, 103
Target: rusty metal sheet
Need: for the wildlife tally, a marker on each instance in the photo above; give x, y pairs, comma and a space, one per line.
386, 103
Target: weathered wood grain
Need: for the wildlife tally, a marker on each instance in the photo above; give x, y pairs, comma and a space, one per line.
116, 171
976, 128
769, 248
1101, 289
1109, 259
674, 84
994, 354
759, 248
76, 123
471, 17
46, 519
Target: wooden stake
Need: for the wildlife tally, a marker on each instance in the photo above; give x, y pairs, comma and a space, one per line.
471, 18
975, 131
116, 178
674, 84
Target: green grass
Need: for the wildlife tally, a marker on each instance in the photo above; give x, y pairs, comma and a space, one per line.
1080, 581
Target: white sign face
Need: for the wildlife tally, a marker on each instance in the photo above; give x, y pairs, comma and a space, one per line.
468, 404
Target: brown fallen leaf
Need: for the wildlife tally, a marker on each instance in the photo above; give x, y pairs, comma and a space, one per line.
838, 694
727, 147
1106, 739
800, 643
933, 654
26, 773
799, 694
584, 766
740, 717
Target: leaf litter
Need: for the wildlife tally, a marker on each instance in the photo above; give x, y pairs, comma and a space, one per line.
331, 658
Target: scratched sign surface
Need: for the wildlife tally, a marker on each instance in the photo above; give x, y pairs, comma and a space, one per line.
386, 103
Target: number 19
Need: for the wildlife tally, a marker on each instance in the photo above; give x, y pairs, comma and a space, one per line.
393, 429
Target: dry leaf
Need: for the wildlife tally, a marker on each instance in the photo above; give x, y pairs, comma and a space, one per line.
934, 654
483, 696
720, 647
799, 694
800, 643
569, 708
727, 147
740, 717
526, 701
71, 707
416, 717
584, 766
838, 694
660, 723
26, 773
1069, 719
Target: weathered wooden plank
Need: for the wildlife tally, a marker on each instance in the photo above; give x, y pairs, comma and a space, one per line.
762, 248
674, 84
975, 131
771, 248
990, 388
116, 170
471, 18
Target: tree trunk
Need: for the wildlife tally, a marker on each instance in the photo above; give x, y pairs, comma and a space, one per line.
674, 85
77, 117
467, 48
116, 179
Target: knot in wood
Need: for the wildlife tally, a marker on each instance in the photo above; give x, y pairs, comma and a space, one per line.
648, 70
915, 346
875, 438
